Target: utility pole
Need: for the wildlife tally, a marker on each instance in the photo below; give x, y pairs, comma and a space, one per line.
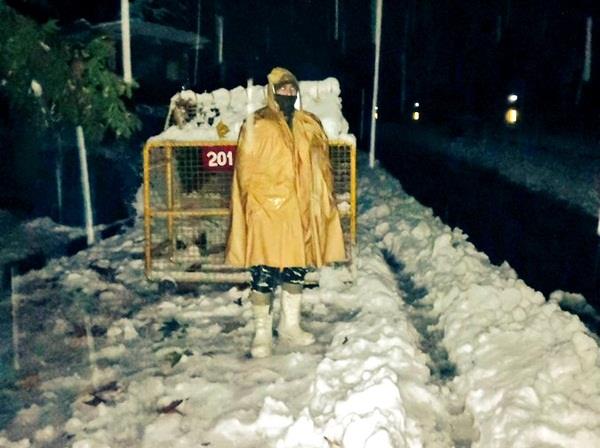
85, 186
336, 23
403, 63
375, 81
219, 31
126, 42
197, 43
587, 59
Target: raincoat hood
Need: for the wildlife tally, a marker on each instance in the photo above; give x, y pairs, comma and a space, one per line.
280, 75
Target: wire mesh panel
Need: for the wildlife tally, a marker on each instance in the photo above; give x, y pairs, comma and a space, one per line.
342, 162
187, 191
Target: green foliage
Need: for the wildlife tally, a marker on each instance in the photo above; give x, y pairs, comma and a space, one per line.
78, 88
26, 54
93, 95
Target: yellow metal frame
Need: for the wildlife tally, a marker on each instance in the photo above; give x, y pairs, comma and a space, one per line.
212, 273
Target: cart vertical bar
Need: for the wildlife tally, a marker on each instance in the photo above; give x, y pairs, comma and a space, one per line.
353, 193
147, 211
169, 181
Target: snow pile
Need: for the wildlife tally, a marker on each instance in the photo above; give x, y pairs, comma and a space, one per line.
372, 389
111, 363
41, 236
529, 372
220, 113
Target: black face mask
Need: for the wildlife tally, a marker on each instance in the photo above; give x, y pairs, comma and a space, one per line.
286, 104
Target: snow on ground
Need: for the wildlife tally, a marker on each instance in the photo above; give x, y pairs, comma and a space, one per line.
566, 167
40, 235
432, 346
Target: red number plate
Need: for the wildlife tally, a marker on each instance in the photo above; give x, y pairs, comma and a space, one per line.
218, 158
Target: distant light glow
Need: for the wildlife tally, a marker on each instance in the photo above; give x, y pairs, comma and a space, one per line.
511, 116
416, 104
512, 98
416, 115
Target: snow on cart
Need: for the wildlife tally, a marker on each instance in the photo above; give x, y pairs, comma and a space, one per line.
188, 170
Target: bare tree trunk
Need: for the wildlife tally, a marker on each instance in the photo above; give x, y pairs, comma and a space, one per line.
219, 42
59, 178
587, 66
403, 59
586, 73
336, 20
197, 43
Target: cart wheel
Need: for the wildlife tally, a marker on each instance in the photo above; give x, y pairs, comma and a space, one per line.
167, 287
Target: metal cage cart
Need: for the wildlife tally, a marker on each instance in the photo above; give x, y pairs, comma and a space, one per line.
187, 189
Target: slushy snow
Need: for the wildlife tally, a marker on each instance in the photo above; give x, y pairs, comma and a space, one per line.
173, 370
431, 346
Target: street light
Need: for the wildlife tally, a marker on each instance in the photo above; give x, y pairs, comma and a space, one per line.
415, 113
512, 115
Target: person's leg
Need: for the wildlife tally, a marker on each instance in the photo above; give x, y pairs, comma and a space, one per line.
264, 279
292, 280
291, 299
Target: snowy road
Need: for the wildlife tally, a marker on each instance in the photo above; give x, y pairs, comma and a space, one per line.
433, 346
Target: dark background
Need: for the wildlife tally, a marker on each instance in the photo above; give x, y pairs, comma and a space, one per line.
461, 59
458, 59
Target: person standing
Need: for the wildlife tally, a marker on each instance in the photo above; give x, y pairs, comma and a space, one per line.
284, 217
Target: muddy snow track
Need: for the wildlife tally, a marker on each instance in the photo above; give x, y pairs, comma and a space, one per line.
443, 371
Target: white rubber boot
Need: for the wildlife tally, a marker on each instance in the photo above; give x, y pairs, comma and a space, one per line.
263, 332
289, 324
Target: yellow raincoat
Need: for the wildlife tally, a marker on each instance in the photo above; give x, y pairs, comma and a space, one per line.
283, 213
